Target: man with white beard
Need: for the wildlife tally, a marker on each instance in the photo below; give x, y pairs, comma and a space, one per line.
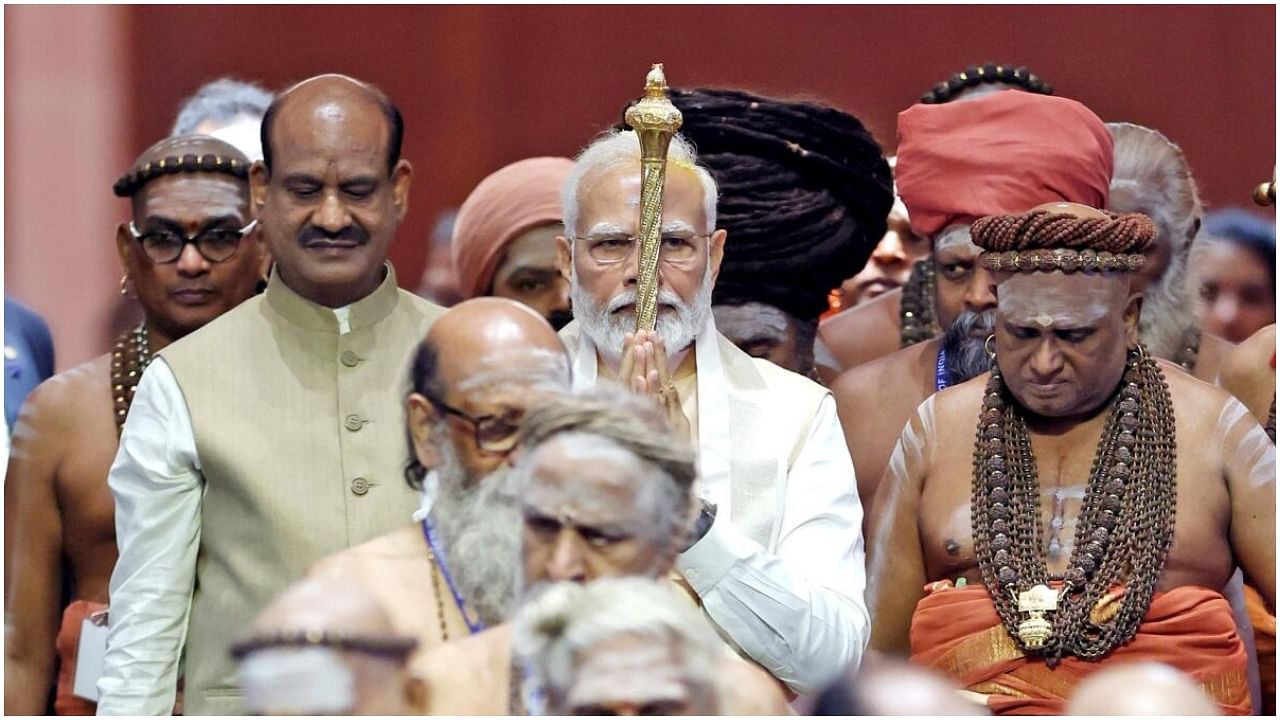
606, 490
452, 572
1152, 177
999, 153
777, 557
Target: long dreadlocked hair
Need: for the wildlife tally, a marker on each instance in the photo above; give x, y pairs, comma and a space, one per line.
804, 195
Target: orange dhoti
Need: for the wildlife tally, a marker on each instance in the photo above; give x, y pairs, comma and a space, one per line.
68, 646
1264, 641
958, 632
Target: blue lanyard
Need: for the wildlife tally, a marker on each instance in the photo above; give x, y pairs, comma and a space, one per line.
940, 373
474, 627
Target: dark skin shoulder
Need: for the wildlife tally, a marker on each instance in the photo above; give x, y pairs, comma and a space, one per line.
58, 513
875, 401
866, 332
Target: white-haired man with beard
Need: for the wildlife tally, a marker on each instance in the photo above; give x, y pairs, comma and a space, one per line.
606, 490
999, 153
777, 560
452, 571
1152, 177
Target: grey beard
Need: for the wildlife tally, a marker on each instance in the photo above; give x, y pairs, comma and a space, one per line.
677, 329
966, 355
479, 524
1167, 317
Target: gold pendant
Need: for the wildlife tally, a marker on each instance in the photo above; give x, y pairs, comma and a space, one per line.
1035, 631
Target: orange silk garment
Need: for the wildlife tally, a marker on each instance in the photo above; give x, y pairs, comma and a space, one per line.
68, 646
1264, 641
958, 632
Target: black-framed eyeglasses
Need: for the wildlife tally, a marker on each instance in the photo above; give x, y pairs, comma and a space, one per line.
611, 249
495, 434
216, 245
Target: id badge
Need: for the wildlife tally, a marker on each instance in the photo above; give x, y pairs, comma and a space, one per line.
89, 655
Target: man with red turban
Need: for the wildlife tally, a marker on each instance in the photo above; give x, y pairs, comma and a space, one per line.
504, 237
1000, 153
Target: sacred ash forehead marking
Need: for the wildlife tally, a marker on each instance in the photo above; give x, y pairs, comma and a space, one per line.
628, 669
954, 236
1025, 299
751, 319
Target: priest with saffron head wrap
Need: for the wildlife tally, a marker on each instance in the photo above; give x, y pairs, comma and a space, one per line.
504, 237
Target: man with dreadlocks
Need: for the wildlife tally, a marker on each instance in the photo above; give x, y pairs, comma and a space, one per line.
804, 193
188, 256
1062, 551
957, 162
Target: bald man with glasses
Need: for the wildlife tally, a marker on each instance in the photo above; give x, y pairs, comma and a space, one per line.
451, 573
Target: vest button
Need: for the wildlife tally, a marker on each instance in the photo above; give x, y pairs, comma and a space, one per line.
359, 486
350, 359
353, 423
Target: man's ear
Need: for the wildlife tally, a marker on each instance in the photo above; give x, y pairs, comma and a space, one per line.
422, 416
564, 257
401, 176
258, 178
716, 252
1132, 314
124, 248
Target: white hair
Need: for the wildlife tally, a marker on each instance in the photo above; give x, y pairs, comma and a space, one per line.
567, 620
1152, 176
619, 147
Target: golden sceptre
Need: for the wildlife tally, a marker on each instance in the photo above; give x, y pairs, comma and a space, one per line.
655, 121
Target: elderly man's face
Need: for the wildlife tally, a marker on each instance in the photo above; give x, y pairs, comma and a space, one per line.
181, 296
630, 675
590, 513
1062, 340
330, 207
609, 217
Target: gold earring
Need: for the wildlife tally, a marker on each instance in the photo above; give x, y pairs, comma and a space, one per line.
988, 345
124, 287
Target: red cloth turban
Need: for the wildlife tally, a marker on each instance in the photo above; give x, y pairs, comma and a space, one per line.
519, 197
1002, 153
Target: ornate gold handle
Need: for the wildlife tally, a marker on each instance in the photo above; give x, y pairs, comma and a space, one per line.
655, 120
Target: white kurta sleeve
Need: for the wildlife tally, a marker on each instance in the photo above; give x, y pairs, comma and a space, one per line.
157, 486
798, 612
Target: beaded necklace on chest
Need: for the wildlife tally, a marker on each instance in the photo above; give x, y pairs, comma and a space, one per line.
1123, 532
129, 358
440, 567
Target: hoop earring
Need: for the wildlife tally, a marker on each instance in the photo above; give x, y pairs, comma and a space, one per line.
124, 284
989, 346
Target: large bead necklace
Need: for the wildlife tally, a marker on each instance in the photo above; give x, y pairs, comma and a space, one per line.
1123, 532
917, 319
129, 358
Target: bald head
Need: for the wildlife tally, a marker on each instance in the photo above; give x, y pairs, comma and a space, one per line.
1146, 688
321, 605
330, 103
326, 647
490, 333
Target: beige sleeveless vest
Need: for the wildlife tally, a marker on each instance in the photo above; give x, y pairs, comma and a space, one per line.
300, 433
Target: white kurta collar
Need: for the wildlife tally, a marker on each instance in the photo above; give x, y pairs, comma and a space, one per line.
714, 440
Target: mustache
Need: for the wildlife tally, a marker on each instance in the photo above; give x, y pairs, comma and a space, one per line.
350, 233
666, 296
